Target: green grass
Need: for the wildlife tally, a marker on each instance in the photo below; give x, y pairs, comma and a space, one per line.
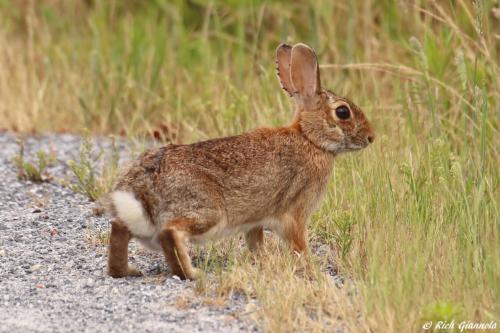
412, 221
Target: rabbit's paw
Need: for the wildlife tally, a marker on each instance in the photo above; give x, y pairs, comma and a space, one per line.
132, 271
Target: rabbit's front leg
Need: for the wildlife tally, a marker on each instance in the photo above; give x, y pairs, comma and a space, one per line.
172, 240
255, 238
295, 233
118, 251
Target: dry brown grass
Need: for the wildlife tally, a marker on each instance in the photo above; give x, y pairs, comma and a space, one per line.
286, 292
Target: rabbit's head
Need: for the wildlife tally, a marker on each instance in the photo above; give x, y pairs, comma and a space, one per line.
329, 121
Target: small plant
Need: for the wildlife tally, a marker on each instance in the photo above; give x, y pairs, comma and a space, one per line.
444, 312
36, 172
97, 237
90, 181
335, 228
343, 233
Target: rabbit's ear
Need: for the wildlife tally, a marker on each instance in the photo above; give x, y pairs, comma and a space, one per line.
283, 59
304, 71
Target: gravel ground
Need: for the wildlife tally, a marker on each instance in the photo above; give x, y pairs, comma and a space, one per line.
52, 275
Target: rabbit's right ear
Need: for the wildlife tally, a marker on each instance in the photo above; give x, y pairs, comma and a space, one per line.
304, 71
283, 60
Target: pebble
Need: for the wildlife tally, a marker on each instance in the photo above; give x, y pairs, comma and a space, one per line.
35, 267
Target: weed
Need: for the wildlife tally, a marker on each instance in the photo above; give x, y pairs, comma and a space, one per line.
343, 227
35, 172
442, 311
92, 180
96, 236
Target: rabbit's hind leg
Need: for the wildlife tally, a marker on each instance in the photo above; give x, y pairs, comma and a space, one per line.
172, 239
118, 251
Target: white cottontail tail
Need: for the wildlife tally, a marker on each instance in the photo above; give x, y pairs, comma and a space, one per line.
266, 178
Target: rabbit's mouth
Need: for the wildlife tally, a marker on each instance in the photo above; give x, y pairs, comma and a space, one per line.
356, 146
338, 148
347, 145
358, 143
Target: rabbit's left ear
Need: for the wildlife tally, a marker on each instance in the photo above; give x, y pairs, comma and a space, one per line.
283, 60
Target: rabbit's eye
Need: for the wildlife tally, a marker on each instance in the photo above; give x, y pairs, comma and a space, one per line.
343, 112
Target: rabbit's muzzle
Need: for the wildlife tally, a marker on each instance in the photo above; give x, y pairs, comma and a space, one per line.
360, 141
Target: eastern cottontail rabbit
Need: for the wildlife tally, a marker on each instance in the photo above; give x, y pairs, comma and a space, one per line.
268, 178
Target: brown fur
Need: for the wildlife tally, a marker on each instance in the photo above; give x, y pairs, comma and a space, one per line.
118, 251
277, 175
172, 240
255, 238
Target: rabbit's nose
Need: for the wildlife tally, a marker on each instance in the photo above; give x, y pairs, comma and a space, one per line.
370, 138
